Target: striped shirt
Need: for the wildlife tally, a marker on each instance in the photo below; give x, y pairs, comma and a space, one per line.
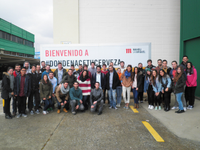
85, 86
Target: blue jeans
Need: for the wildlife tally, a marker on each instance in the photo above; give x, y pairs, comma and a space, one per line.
119, 94
178, 98
135, 96
112, 97
47, 103
66, 106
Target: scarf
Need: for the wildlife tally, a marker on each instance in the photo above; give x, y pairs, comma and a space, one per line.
127, 74
190, 71
84, 78
64, 90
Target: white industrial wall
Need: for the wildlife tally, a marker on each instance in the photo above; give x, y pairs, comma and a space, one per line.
132, 21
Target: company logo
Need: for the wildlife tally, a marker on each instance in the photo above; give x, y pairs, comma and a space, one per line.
128, 50
134, 50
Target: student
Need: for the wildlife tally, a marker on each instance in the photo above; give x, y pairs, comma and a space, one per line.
85, 86
79, 70
73, 69
150, 66
85, 67
92, 69
96, 99
46, 93
60, 73
119, 89
141, 71
165, 67
159, 61
191, 84
43, 66
113, 81
27, 66
111, 64
46, 71
70, 78
17, 70
104, 71
7, 91
76, 98
179, 84
126, 81
166, 87
122, 67
137, 85
157, 86
148, 88
62, 96
22, 90
184, 62
35, 79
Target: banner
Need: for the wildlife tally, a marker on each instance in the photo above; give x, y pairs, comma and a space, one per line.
76, 54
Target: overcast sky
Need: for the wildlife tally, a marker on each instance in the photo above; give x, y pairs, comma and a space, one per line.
35, 16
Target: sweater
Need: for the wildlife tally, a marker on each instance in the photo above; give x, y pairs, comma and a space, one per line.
59, 94
96, 95
126, 82
75, 94
192, 79
85, 86
54, 83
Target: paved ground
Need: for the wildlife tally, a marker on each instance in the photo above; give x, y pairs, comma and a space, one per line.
114, 129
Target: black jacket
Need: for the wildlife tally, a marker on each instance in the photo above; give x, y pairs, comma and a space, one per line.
71, 79
103, 81
6, 86
179, 86
27, 86
140, 81
56, 73
116, 80
35, 79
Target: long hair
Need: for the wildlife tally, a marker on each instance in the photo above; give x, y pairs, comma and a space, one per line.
148, 75
153, 79
130, 71
48, 82
134, 73
189, 70
86, 76
164, 76
178, 75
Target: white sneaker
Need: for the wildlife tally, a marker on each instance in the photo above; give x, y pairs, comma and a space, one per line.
159, 108
149, 107
110, 107
118, 105
44, 112
184, 108
174, 108
115, 108
152, 107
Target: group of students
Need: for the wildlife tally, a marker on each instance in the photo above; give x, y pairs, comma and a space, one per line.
85, 88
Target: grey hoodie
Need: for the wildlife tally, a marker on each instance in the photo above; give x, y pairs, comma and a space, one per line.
28, 70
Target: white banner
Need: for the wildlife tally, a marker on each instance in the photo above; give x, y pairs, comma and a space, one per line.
77, 54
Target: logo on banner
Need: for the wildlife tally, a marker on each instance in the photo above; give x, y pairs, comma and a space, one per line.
135, 50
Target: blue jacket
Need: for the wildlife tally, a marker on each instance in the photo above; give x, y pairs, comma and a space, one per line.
166, 82
158, 86
27, 86
146, 83
47, 73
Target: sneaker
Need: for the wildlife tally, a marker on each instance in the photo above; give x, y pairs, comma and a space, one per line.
180, 111
174, 107
118, 105
110, 107
184, 108
156, 107
37, 112
159, 108
74, 113
44, 112
31, 113
141, 101
189, 107
24, 115
124, 107
115, 108
151, 107
19, 115
47, 112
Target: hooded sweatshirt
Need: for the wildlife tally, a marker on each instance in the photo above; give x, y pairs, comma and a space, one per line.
192, 79
28, 70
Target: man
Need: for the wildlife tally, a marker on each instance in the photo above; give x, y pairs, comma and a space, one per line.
79, 70
104, 71
141, 71
43, 66
92, 69
165, 67
76, 98
122, 66
62, 96
113, 81
35, 79
59, 73
96, 99
150, 66
22, 90
54, 83
46, 71
70, 78
73, 69
184, 62
17, 70
173, 70
27, 66
99, 77
38, 71
7, 91
159, 61
111, 64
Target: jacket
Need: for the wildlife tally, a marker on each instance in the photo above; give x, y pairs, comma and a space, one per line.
103, 81
139, 81
27, 86
116, 80
6, 86
166, 82
146, 83
27, 70
59, 94
35, 79
75, 94
126, 82
15, 74
56, 73
192, 79
180, 84
168, 69
96, 95
45, 90
71, 79
158, 85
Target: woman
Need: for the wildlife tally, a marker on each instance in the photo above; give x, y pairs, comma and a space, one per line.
45, 93
166, 87
157, 89
119, 89
148, 87
137, 85
191, 84
126, 80
179, 84
85, 86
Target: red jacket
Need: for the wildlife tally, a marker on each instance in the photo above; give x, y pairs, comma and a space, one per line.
192, 79
15, 74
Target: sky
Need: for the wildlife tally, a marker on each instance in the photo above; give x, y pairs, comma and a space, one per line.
35, 16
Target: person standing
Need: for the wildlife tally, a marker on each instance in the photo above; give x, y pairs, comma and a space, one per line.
119, 89
96, 99
104, 71
43, 66
85, 67
142, 72
79, 70
70, 78
54, 82
191, 84
98, 77
60, 73
159, 61
165, 67
150, 66
73, 69
27, 66
17, 70
7, 91
92, 69
22, 90
126, 81
113, 81
46, 93
122, 67
184, 62
46, 71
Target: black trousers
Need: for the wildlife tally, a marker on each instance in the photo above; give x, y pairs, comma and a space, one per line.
37, 99
104, 96
14, 104
85, 101
7, 106
157, 99
140, 96
190, 95
150, 94
167, 98
21, 104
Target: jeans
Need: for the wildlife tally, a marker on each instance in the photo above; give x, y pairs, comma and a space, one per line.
73, 104
85, 101
66, 106
21, 104
119, 94
150, 95
135, 95
47, 104
112, 98
34, 92
99, 105
178, 98
126, 94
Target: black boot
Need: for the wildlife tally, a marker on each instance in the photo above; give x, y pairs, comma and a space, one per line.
179, 111
100, 113
7, 116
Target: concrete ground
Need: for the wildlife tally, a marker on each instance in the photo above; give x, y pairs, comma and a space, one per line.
113, 130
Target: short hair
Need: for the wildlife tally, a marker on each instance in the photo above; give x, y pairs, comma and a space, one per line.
104, 65
17, 65
70, 69
76, 82
47, 65
98, 66
174, 61
80, 64
122, 62
110, 66
159, 60
139, 63
118, 68
66, 81
149, 60
37, 65
164, 60
42, 61
9, 68
85, 65
23, 68
97, 82
26, 62
185, 56
92, 63
59, 63
51, 72
72, 65
111, 62
33, 66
